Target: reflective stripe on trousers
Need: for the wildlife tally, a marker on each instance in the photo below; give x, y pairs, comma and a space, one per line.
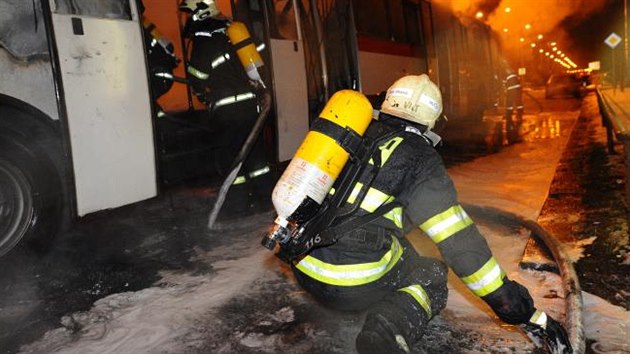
252, 174
418, 293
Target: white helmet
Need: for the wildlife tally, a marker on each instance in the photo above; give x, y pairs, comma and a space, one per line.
414, 98
200, 9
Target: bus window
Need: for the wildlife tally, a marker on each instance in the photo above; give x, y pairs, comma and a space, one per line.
397, 27
392, 20
284, 26
371, 20
114, 9
412, 22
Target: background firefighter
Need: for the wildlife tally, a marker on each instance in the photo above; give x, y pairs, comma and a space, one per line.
371, 265
513, 102
161, 60
219, 80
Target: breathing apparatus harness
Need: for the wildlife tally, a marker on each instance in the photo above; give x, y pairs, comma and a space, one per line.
332, 221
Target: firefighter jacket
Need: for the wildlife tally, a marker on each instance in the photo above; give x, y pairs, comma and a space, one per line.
214, 71
161, 59
414, 175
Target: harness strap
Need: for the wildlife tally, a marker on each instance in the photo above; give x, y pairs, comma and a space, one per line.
243, 43
338, 231
347, 138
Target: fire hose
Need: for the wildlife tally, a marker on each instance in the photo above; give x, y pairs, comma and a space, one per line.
240, 158
570, 283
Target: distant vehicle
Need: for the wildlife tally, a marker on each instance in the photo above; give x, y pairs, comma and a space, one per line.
564, 85
588, 82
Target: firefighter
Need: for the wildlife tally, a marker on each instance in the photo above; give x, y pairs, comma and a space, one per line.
513, 101
161, 60
219, 80
371, 265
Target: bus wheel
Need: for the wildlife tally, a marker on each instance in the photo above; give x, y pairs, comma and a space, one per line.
31, 203
16, 205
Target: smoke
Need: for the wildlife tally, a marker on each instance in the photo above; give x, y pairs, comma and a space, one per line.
550, 18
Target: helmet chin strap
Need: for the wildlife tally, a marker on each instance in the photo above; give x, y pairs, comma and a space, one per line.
428, 135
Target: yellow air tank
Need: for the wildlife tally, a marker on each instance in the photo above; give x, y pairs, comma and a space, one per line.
319, 160
245, 49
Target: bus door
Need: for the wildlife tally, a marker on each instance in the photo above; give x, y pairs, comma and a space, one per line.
289, 76
106, 95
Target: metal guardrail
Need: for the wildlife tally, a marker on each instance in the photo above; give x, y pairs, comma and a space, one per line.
617, 123
615, 119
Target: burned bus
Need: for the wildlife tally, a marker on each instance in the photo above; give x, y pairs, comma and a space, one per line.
79, 132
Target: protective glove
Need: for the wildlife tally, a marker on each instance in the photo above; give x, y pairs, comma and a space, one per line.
546, 332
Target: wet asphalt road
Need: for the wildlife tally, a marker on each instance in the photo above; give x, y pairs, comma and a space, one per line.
123, 250
106, 253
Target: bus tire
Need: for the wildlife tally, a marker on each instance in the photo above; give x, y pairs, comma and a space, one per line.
31, 191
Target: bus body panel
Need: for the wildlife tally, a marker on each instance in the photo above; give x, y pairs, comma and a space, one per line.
291, 101
108, 109
380, 70
32, 82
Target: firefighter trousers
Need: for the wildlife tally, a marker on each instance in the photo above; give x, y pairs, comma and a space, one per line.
394, 292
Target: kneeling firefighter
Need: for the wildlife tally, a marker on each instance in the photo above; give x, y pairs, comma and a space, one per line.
345, 238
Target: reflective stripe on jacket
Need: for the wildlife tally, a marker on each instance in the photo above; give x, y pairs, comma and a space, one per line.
412, 173
351, 274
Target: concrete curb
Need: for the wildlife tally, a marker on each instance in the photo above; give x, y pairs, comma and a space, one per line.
569, 277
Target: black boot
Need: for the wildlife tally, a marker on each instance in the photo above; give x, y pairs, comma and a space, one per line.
392, 326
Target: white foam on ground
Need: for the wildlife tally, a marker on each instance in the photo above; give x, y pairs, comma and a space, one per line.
165, 318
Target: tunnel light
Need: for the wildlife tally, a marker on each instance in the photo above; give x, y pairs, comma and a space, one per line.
479, 15
505, 30
541, 50
522, 40
508, 9
554, 48
528, 26
540, 36
533, 45
553, 44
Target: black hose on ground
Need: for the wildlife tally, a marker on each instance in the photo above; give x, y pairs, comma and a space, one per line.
570, 283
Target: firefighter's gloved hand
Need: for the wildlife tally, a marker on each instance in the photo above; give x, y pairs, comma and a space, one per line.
547, 333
